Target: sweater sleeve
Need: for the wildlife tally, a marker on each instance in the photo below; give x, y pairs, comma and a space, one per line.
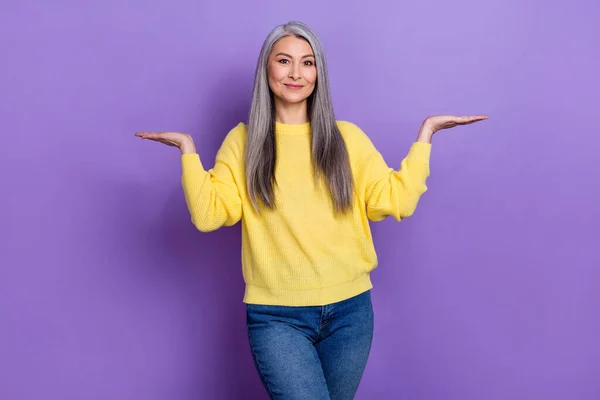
388, 192
396, 193
212, 197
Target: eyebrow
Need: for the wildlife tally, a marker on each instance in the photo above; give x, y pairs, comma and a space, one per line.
287, 55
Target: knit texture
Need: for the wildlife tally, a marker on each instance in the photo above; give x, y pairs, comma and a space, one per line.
302, 253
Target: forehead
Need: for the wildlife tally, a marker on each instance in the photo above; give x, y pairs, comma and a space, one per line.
293, 46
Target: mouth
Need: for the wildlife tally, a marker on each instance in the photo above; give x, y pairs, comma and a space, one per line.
293, 87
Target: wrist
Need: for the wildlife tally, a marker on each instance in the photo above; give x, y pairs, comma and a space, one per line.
425, 134
188, 147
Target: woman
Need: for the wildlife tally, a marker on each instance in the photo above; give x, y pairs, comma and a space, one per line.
305, 187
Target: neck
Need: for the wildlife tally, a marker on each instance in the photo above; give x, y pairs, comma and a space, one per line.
292, 114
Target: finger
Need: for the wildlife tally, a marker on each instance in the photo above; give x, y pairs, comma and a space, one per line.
457, 121
156, 137
471, 119
147, 135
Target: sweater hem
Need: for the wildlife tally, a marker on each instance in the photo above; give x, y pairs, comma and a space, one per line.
310, 297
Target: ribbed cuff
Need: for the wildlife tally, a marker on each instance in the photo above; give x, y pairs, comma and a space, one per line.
420, 151
191, 162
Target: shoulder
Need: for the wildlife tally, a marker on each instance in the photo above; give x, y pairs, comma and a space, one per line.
347, 126
237, 134
351, 130
355, 138
235, 140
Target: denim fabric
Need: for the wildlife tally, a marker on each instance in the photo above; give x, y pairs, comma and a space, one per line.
312, 352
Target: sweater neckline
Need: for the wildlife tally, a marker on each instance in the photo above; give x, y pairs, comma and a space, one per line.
292, 129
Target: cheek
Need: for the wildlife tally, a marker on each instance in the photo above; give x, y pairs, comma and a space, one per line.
274, 76
272, 83
311, 77
275, 73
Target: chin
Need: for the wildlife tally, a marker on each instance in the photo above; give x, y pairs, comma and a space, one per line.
295, 98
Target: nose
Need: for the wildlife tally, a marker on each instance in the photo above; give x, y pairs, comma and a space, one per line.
295, 71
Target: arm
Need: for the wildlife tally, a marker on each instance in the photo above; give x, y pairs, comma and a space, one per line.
396, 193
212, 196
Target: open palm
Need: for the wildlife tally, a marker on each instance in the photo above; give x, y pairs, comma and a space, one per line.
175, 139
438, 122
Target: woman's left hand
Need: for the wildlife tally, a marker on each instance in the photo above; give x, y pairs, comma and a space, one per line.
438, 122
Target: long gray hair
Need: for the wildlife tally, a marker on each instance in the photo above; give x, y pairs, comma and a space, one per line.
330, 158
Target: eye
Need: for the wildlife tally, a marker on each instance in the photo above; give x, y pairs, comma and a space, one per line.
309, 63
283, 61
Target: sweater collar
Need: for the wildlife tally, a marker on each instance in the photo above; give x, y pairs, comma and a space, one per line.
292, 129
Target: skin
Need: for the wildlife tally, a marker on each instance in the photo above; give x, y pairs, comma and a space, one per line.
292, 76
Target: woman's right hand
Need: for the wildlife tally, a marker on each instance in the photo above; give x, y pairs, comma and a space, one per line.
182, 141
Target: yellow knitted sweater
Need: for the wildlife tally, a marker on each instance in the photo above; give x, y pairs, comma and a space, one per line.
302, 253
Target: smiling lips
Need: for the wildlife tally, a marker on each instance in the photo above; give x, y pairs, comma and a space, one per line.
292, 87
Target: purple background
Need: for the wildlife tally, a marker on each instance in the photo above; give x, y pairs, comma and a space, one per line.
490, 291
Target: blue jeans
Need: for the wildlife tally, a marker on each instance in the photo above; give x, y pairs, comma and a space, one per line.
312, 352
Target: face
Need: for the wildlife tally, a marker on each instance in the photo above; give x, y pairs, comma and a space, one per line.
291, 70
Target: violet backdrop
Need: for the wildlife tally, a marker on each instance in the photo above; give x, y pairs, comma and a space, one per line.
490, 291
